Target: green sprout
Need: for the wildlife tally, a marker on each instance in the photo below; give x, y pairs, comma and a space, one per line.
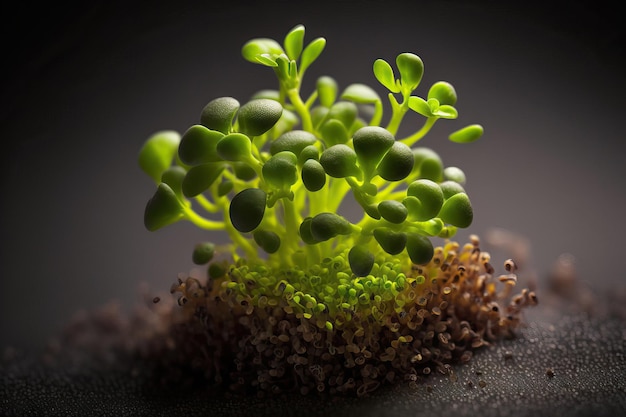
273, 172
350, 296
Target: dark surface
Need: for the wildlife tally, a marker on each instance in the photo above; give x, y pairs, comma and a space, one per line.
569, 365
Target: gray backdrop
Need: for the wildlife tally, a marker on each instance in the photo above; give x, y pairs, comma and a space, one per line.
86, 86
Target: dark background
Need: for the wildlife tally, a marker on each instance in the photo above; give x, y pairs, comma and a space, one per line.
84, 86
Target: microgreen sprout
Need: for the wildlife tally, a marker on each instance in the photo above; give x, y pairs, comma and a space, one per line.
272, 174
281, 164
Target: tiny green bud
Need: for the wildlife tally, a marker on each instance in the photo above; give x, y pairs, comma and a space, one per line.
309, 152
158, 152
197, 146
467, 134
454, 174
339, 161
281, 170
325, 226
219, 113
162, 209
428, 163
393, 211
201, 177
258, 116
430, 198
267, 240
457, 211
313, 175
391, 241
419, 248
216, 270
397, 163
203, 253
361, 260
326, 90
294, 141
444, 93
411, 70
234, 147
371, 143
247, 209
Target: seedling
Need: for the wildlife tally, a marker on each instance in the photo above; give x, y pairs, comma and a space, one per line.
272, 174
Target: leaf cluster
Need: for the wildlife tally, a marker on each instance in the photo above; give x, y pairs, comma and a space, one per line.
273, 171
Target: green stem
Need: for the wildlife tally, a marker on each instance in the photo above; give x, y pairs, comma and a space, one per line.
410, 140
303, 111
206, 204
201, 222
398, 112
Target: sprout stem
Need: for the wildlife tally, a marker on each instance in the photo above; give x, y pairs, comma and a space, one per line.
301, 108
411, 140
200, 221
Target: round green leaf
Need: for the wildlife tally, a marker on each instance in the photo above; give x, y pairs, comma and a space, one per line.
391, 241
281, 170
258, 116
339, 161
162, 209
200, 177
305, 232
313, 175
361, 260
411, 69
325, 226
255, 47
419, 248
444, 92
397, 163
247, 209
203, 253
334, 132
360, 93
457, 211
267, 240
308, 152
344, 111
428, 164
158, 152
384, 74
454, 174
173, 177
430, 199
326, 90
467, 134
393, 211
293, 141
450, 188
234, 147
371, 143
198, 144
219, 113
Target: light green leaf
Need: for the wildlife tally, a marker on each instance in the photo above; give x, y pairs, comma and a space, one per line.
162, 209
294, 42
260, 46
311, 53
360, 93
384, 74
467, 134
158, 152
419, 105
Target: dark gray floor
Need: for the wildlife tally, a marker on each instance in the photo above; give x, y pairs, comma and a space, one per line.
560, 365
